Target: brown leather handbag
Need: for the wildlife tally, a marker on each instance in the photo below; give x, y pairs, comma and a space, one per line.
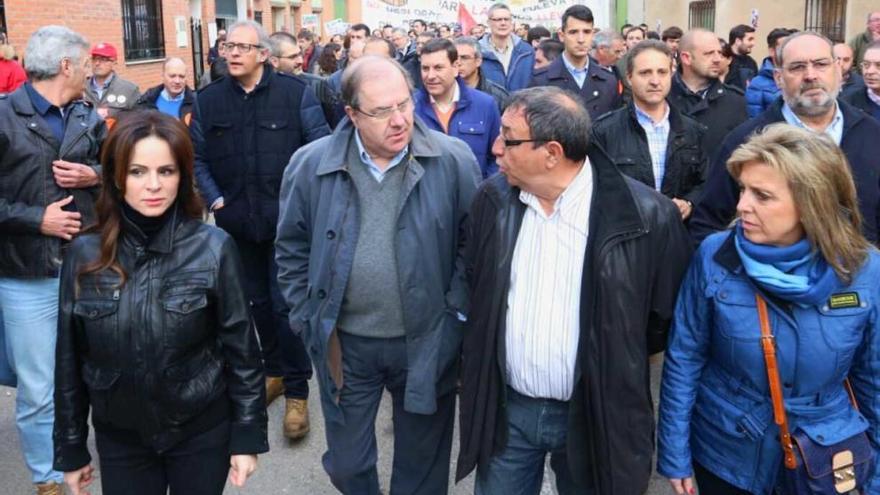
813, 468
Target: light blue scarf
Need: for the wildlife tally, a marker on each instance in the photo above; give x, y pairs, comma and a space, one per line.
793, 273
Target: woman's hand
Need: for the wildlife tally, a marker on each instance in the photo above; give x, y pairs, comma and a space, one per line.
683, 486
240, 467
78, 480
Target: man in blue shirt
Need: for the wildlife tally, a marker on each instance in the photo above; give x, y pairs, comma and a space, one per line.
49, 142
172, 97
450, 106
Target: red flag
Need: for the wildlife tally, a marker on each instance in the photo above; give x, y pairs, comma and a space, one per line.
465, 19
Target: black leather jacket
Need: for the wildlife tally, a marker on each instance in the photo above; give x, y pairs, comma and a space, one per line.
637, 253
168, 355
620, 134
27, 185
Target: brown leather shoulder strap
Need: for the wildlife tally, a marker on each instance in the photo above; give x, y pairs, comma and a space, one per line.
779, 417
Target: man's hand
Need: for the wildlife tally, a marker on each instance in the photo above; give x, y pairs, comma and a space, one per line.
59, 223
78, 480
240, 467
71, 175
683, 486
684, 207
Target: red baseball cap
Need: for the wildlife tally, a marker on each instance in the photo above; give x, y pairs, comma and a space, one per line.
104, 50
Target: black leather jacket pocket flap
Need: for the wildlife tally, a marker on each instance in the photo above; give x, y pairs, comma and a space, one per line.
95, 309
185, 303
99, 378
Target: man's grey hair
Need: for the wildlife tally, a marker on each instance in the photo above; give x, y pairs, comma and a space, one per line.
471, 42
173, 59
400, 30
277, 38
497, 6
797, 35
554, 114
353, 77
605, 38
262, 35
48, 46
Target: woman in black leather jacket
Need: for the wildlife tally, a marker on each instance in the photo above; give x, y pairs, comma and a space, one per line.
154, 331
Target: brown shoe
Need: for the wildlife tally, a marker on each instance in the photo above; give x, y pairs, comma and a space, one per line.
274, 388
50, 488
296, 418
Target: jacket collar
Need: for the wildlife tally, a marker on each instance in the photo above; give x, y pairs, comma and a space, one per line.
152, 95
420, 145
423, 99
726, 256
557, 70
614, 209
162, 242
268, 73
851, 115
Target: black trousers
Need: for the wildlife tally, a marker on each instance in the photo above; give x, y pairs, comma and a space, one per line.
284, 353
709, 484
196, 466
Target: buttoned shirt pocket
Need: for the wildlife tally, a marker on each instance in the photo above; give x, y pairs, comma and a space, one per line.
272, 134
642, 172
99, 321
844, 328
185, 308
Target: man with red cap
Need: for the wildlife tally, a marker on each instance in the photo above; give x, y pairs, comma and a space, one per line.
105, 90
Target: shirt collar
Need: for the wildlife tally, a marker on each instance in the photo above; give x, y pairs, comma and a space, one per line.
646, 119
41, 104
94, 82
580, 185
873, 96
367, 160
501, 50
168, 97
834, 129
571, 68
456, 94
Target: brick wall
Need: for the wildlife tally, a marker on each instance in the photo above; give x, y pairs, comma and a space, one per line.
101, 20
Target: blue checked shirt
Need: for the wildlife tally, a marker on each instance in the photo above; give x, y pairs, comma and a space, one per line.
658, 140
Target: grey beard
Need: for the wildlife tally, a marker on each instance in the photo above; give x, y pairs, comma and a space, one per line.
804, 107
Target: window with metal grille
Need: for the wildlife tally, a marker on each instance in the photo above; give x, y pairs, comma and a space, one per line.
702, 15
827, 17
143, 34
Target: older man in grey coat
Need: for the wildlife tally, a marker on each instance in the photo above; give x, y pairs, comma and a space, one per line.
369, 250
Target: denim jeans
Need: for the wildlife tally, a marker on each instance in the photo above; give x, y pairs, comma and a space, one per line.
422, 443
30, 314
535, 427
7, 376
284, 353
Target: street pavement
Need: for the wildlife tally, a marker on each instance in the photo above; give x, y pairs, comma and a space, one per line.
289, 468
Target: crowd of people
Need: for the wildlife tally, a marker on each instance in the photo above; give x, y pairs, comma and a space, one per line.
509, 218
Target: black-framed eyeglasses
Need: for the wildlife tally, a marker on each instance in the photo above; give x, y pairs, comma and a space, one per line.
243, 48
509, 143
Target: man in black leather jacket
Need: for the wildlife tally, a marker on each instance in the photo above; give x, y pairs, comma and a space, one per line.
49, 143
572, 356
643, 145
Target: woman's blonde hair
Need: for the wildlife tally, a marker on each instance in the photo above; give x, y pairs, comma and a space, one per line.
822, 187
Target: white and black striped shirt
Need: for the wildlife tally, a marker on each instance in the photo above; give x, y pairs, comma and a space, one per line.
543, 314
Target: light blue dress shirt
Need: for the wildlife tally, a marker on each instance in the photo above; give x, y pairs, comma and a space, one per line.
367, 160
579, 75
834, 129
658, 140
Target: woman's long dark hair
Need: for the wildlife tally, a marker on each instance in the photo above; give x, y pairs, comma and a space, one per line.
115, 159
